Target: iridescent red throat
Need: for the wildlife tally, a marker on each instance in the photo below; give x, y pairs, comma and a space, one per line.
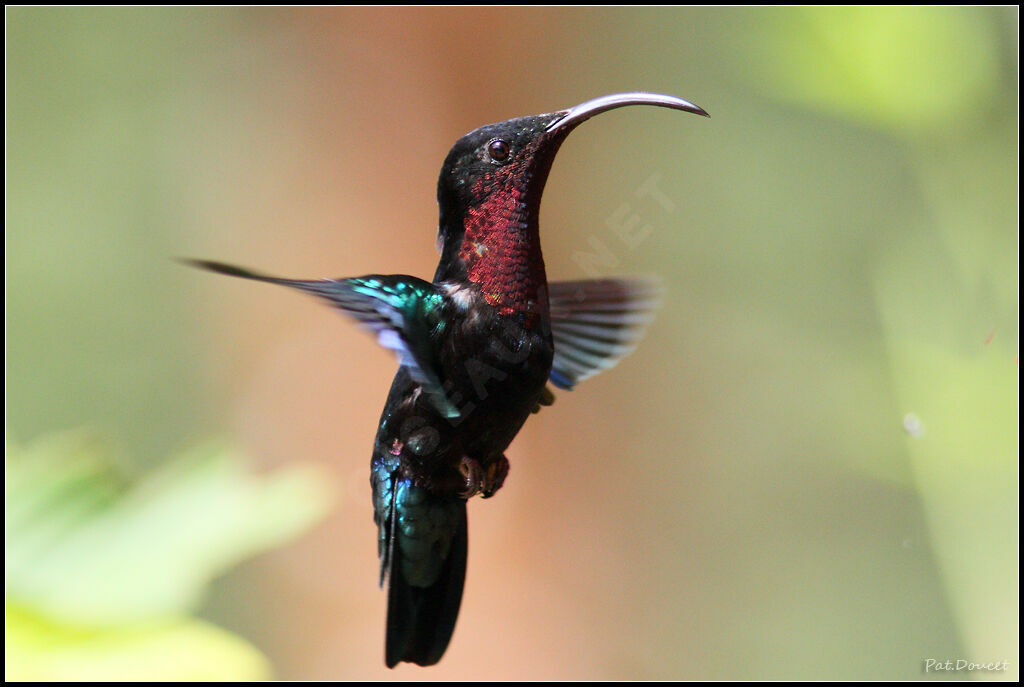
501, 246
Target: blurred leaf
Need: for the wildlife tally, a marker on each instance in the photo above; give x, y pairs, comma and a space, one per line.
965, 464
907, 69
174, 649
87, 545
950, 331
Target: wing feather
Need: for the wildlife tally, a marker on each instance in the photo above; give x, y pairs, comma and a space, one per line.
595, 323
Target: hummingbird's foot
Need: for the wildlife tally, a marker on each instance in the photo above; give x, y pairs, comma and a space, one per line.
482, 481
546, 399
496, 474
473, 474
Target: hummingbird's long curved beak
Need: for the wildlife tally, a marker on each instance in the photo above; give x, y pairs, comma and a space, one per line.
584, 111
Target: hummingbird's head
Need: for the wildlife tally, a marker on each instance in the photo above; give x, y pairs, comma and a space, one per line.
491, 183
498, 159
513, 158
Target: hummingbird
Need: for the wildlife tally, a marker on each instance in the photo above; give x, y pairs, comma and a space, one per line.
477, 347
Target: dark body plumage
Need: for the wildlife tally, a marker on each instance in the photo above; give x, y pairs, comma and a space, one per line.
495, 371
477, 346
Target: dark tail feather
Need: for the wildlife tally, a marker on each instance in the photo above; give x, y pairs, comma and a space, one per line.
421, 619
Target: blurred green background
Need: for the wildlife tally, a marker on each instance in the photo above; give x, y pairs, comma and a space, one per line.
808, 469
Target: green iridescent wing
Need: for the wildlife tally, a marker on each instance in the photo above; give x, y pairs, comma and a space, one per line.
405, 313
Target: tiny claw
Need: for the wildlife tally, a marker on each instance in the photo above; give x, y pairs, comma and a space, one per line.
473, 474
496, 474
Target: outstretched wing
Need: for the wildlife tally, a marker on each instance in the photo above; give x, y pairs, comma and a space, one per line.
406, 314
597, 322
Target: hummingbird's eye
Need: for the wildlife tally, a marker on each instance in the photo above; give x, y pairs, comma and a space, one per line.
498, 150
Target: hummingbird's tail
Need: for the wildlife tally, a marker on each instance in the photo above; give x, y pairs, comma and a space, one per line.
426, 568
